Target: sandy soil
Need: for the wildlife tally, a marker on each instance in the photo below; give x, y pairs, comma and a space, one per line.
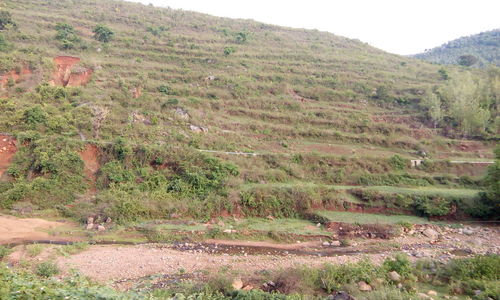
15, 230
112, 263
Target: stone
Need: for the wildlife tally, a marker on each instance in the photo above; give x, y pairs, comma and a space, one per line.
432, 293
326, 244
237, 284
335, 243
430, 233
247, 287
182, 113
90, 220
108, 220
468, 231
394, 276
423, 296
364, 287
101, 228
90, 226
340, 295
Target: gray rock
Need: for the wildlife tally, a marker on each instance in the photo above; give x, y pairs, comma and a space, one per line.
90, 226
237, 284
364, 287
101, 228
340, 296
468, 231
335, 243
394, 276
430, 233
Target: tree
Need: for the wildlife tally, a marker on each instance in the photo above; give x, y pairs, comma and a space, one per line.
467, 60
6, 20
432, 103
103, 34
488, 206
464, 101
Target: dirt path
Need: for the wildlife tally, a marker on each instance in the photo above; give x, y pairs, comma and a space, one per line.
16, 230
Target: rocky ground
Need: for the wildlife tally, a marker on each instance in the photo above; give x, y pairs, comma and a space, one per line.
124, 265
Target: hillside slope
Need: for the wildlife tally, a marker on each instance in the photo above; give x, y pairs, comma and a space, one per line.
152, 123
485, 46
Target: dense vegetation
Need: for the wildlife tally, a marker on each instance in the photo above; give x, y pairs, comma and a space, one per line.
316, 111
476, 50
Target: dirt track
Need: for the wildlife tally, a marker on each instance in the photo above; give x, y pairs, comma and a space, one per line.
15, 230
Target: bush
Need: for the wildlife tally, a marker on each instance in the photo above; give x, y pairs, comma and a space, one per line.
398, 163
400, 264
6, 20
333, 277
47, 269
4, 251
103, 34
66, 35
229, 50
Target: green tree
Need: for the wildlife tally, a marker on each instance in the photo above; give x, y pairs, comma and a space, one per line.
492, 181
465, 104
432, 103
6, 20
467, 60
103, 34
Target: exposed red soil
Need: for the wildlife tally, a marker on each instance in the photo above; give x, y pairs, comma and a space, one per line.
90, 157
136, 92
69, 73
7, 150
15, 75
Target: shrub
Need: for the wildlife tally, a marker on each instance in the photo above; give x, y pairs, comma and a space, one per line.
47, 269
229, 50
34, 249
66, 35
398, 163
103, 33
333, 277
4, 251
35, 115
400, 264
6, 20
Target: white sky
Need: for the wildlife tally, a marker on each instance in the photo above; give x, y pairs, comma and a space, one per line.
397, 26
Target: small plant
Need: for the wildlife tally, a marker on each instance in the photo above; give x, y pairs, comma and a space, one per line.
6, 20
34, 249
47, 269
229, 50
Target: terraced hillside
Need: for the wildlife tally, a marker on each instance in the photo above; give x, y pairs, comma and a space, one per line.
180, 110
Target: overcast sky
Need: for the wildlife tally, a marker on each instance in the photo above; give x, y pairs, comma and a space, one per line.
397, 26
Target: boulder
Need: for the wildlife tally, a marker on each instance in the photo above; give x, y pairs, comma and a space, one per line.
101, 228
90, 226
335, 243
468, 231
340, 296
430, 233
90, 220
237, 284
432, 293
394, 276
364, 287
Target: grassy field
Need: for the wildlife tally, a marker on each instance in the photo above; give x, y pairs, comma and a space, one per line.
365, 218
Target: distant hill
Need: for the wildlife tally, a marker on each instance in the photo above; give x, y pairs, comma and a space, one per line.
485, 46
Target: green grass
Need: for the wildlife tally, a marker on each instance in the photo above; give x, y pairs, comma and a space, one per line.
365, 218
